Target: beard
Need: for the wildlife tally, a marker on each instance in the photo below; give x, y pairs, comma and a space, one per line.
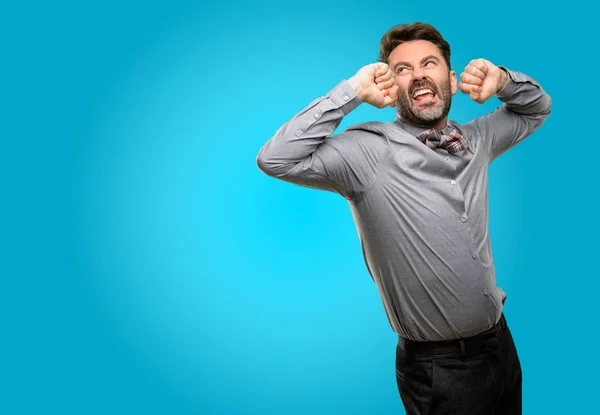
429, 115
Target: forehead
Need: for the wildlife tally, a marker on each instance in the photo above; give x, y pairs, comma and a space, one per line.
413, 51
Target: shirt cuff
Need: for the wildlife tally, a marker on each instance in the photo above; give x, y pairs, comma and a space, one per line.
512, 83
344, 97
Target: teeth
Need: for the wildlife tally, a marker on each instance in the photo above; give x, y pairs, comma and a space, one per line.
421, 92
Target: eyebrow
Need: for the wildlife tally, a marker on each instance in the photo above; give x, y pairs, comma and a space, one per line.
426, 58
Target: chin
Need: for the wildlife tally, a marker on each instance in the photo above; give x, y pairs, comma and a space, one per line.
430, 116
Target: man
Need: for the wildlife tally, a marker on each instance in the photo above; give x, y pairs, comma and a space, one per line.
417, 189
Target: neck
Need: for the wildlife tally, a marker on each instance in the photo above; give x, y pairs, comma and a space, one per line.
440, 125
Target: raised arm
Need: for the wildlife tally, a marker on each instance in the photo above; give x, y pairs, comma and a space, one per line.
525, 105
345, 163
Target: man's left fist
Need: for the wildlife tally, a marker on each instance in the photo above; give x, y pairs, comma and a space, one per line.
481, 79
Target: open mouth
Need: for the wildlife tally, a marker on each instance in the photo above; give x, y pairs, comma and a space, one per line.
423, 94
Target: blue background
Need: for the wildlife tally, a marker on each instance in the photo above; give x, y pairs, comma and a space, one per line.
148, 266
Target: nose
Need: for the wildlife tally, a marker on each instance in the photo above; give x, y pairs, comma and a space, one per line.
418, 73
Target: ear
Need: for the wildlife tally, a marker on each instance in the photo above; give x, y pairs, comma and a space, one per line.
453, 82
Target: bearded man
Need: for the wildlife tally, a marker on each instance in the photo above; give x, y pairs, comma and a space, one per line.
417, 189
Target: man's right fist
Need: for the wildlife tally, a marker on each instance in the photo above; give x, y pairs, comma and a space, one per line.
375, 84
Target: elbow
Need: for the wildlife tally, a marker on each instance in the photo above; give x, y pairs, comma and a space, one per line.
265, 164
272, 165
543, 109
548, 105
542, 114
547, 109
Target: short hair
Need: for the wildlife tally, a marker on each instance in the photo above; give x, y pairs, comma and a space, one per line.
415, 31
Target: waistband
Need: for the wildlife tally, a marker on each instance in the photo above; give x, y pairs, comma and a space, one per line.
467, 345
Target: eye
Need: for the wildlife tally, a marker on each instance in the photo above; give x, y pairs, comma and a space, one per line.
401, 70
429, 63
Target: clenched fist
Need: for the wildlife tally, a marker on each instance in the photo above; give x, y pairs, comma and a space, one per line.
375, 84
481, 79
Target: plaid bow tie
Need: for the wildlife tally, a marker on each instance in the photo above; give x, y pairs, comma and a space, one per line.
453, 141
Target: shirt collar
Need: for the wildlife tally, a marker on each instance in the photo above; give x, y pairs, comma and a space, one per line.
415, 130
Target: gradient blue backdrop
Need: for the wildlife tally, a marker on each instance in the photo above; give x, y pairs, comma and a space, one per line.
148, 266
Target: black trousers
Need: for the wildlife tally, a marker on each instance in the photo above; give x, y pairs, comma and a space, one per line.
477, 375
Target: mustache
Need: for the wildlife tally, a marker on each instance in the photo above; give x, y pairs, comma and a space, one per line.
421, 84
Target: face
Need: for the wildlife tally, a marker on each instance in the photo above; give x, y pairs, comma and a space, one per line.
425, 85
